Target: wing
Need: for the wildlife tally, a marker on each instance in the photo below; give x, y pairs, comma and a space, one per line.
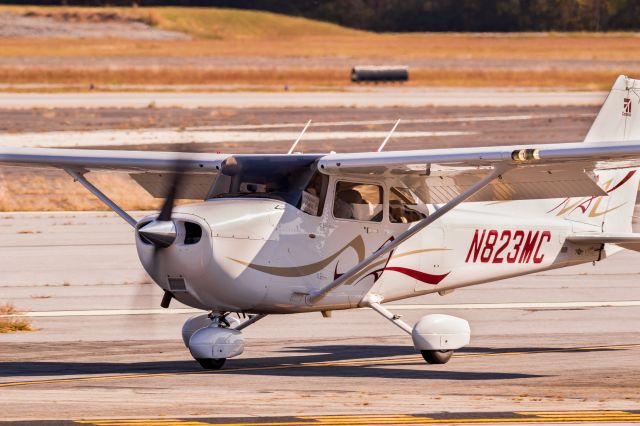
151, 170
542, 171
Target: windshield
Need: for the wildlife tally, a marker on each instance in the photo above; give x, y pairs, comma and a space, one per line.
278, 177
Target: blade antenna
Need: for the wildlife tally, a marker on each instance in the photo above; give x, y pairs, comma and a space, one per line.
388, 136
299, 137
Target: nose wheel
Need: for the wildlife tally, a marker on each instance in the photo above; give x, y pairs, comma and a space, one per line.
211, 363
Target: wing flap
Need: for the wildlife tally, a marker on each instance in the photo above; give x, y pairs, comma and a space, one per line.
517, 184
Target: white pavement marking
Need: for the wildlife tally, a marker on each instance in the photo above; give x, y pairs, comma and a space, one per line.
528, 305
408, 97
154, 136
523, 305
105, 312
316, 124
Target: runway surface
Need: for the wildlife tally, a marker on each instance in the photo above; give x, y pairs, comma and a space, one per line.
564, 343
175, 137
268, 134
550, 348
374, 98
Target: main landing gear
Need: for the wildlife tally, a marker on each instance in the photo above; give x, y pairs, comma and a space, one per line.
212, 338
436, 336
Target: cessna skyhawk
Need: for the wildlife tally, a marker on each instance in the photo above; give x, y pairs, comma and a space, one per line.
281, 234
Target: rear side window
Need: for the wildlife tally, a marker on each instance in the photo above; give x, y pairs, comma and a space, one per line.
358, 201
405, 206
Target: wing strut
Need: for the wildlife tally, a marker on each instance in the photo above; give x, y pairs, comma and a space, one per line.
318, 295
79, 177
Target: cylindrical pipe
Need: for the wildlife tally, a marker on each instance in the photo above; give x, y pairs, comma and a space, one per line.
362, 73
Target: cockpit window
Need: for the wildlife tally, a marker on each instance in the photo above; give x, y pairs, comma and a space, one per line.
358, 201
405, 206
284, 178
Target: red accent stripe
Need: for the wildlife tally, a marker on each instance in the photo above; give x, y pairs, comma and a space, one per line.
623, 181
420, 276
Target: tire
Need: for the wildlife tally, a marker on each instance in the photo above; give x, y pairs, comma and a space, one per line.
211, 364
436, 357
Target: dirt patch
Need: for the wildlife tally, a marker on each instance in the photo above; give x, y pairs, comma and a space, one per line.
39, 24
92, 16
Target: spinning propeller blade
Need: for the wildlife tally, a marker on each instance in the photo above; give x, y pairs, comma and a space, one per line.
170, 200
162, 231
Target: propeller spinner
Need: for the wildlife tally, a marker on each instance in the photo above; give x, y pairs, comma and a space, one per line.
161, 233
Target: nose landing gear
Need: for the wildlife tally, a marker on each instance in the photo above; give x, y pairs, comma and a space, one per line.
212, 338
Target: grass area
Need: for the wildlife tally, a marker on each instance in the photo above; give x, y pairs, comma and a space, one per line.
205, 23
229, 23
304, 79
307, 79
356, 44
10, 324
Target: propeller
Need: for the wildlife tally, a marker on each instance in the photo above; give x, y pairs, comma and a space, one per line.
162, 232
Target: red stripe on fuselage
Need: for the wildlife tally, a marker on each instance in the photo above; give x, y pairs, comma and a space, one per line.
420, 276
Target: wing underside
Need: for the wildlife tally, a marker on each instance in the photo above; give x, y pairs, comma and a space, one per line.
154, 171
543, 171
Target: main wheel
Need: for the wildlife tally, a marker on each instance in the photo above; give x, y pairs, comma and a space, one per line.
436, 357
211, 364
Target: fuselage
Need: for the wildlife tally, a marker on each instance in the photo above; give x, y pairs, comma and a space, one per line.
264, 255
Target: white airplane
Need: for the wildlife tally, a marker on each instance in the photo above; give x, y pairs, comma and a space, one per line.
282, 234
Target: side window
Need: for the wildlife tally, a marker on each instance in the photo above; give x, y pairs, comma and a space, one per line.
405, 206
358, 201
313, 196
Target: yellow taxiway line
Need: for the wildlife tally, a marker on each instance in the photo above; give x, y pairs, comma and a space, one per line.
523, 417
347, 363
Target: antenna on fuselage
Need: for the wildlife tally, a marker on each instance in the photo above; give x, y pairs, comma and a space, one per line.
388, 136
299, 137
